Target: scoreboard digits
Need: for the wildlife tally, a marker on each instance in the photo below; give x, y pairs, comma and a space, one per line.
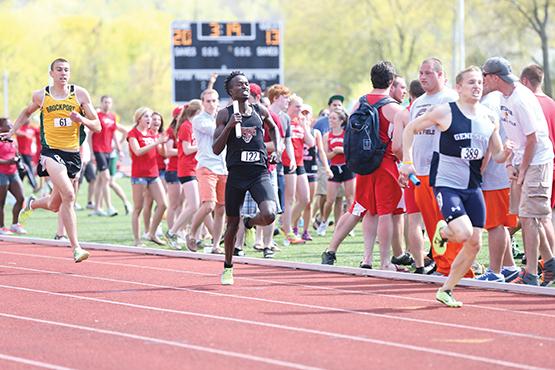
202, 48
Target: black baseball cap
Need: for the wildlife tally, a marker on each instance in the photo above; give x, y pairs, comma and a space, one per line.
336, 97
501, 67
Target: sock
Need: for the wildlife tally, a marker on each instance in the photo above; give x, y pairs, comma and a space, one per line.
330, 252
419, 270
228, 265
399, 256
511, 268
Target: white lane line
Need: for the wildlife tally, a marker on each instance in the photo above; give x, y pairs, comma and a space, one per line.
172, 343
26, 361
307, 286
295, 304
276, 326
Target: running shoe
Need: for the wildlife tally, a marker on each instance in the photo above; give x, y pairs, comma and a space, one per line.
478, 268
227, 276
79, 254
363, 265
294, 239
268, 253
90, 205
238, 252
526, 278
18, 229
171, 239
509, 275
438, 243
27, 211
491, 276
446, 297
328, 258
322, 229
549, 273
306, 236
111, 212
99, 213
5, 231
405, 259
60, 237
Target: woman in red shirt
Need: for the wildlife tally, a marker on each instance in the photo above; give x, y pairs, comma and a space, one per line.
333, 145
296, 180
175, 194
143, 146
186, 170
9, 180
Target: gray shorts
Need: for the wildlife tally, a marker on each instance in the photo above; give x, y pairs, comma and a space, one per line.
322, 184
6, 180
532, 199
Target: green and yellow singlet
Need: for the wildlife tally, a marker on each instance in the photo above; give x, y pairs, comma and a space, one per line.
57, 131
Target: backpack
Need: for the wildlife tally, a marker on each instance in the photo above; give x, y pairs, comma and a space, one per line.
362, 146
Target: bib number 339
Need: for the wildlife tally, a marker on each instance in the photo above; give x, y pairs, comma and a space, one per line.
62, 122
247, 156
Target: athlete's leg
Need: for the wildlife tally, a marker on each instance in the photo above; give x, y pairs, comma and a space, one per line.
16, 188
175, 201
290, 193
3, 193
370, 225
138, 191
218, 227
332, 190
498, 239
416, 239
385, 236
343, 227
147, 208
190, 191
397, 234
157, 192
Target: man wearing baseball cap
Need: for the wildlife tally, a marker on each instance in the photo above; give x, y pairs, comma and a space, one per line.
530, 169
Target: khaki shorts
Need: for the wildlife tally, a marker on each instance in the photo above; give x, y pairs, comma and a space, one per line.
322, 184
532, 199
211, 186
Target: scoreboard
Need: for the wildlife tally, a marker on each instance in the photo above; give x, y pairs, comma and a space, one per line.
202, 48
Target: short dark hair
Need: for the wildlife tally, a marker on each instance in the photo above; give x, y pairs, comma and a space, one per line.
104, 97
382, 74
415, 89
57, 60
534, 74
230, 77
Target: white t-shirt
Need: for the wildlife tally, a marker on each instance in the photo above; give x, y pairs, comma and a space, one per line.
425, 141
204, 126
522, 115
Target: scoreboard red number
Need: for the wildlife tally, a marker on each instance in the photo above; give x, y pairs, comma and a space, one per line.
182, 37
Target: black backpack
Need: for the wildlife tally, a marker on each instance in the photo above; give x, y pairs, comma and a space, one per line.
363, 148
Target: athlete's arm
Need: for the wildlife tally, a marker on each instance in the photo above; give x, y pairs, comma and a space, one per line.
436, 116
188, 148
308, 138
138, 151
329, 153
322, 153
495, 147
529, 150
36, 102
271, 126
170, 150
290, 153
225, 124
90, 119
399, 122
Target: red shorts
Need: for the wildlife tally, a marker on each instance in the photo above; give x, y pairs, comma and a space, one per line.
410, 201
497, 209
377, 193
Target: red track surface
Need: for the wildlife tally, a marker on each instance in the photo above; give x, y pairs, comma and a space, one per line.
128, 311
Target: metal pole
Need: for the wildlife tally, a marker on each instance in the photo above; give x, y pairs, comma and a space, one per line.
462, 56
5, 79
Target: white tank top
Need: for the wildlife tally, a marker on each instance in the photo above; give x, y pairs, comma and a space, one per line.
426, 141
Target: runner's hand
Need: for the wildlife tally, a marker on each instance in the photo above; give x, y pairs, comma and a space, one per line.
163, 138
512, 172
234, 119
329, 172
292, 167
273, 158
76, 117
404, 172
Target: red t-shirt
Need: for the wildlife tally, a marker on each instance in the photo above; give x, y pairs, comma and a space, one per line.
333, 142
267, 138
186, 164
297, 139
385, 126
548, 108
102, 141
7, 151
172, 160
144, 165
24, 142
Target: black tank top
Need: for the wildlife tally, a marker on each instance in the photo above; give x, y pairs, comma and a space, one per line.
249, 149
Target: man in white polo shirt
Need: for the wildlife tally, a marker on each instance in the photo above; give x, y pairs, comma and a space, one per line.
530, 169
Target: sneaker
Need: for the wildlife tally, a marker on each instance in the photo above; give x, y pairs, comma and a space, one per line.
227, 276
321, 231
438, 243
446, 297
77, 207
18, 229
99, 213
192, 244
111, 212
405, 260
27, 210
328, 258
526, 278
172, 240
5, 231
316, 224
90, 205
491, 276
429, 266
60, 237
294, 239
352, 233
306, 236
478, 268
217, 250
509, 275
268, 253
79, 254
238, 252
365, 266
296, 231
549, 273
159, 232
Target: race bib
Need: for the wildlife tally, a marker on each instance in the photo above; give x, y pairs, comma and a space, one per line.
62, 122
471, 153
250, 156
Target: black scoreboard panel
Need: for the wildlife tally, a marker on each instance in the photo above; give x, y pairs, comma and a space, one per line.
202, 48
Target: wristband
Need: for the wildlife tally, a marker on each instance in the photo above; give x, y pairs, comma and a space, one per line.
408, 162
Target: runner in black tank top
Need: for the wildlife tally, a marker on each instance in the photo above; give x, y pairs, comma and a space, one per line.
246, 163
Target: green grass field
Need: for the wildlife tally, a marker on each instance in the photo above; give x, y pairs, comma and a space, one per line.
117, 230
